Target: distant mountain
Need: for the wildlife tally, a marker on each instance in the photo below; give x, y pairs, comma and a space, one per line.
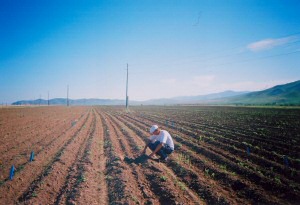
287, 94
163, 101
63, 101
192, 99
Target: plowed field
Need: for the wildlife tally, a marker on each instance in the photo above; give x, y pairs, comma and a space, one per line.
92, 155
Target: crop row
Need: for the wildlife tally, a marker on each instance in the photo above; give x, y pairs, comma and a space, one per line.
238, 147
97, 159
242, 169
223, 174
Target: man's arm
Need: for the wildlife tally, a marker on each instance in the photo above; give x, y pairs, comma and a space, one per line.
156, 150
144, 151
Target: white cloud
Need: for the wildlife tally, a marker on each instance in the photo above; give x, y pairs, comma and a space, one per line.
270, 43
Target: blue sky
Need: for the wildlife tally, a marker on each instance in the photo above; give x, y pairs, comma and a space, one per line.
173, 48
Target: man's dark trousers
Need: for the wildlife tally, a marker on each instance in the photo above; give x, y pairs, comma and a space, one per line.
163, 152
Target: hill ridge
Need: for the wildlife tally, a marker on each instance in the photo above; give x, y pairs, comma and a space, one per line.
285, 94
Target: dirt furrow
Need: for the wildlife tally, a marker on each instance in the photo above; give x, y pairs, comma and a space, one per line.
266, 146
160, 178
19, 133
140, 189
46, 187
267, 166
114, 176
94, 189
244, 173
76, 174
20, 157
199, 185
126, 174
223, 177
27, 177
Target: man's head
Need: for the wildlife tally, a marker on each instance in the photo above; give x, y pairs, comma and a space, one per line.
154, 130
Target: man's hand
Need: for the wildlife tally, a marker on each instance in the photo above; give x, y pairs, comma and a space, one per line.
151, 155
144, 150
156, 150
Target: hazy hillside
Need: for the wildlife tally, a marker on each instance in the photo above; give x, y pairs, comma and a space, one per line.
164, 101
287, 94
63, 101
192, 99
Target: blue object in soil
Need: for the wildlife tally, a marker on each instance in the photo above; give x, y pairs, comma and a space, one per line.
166, 122
12, 172
31, 156
248, 150
286, 161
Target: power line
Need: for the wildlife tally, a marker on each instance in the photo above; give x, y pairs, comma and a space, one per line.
127, 89
259, 58
68, 95
241, 50
242, 61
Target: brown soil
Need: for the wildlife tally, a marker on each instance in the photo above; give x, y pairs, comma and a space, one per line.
92, 155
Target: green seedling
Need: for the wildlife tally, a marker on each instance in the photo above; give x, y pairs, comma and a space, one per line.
223, 167
206, 171
277, 180
163, 178
233, 173
81, 179
181, 186
134, 198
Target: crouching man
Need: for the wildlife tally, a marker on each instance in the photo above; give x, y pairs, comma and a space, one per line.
161, 143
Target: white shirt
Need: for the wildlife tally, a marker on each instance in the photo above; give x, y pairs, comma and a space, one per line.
163, 137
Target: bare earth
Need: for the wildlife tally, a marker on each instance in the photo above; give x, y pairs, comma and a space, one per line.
92, 155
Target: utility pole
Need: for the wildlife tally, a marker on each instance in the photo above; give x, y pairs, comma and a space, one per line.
127, 89
48, 98
68, 95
